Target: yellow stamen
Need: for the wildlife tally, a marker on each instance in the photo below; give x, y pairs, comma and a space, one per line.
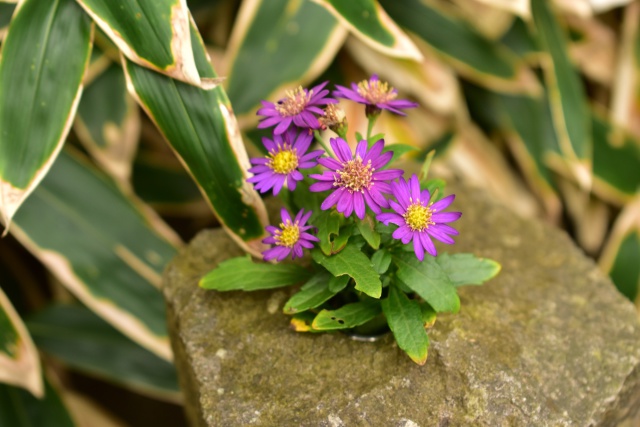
293, 102
355, 176
376, 91
418, 217
288, 235
284, 160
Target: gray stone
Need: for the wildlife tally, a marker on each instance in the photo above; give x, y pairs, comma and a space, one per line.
549, 342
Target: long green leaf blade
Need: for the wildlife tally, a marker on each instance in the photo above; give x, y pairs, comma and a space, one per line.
242, 273
319, 289
404, 317
201, 128
429, 280
44, 57
20, 409
101, 245
83, 341
348, 316
467, 269
19, 362
482, 60
371, 24
566, 93
281, 44
151, 33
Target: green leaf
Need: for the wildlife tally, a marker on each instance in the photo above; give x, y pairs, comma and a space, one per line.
102, 245
328, 224
381, 261
19, 360
482, 60
566, 93
352, 262
367, 228
18, 408
429, 280
108, 123
243, 274
281, 44
342, 238
405, 321
625, 271
467, 269
398, 150
616, 164
200, 126
347, 316
151, 33
369, 22
44, 57
315, 292
6, 12
429, 315
83, 341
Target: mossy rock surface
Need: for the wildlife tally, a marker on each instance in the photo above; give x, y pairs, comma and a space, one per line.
549, 342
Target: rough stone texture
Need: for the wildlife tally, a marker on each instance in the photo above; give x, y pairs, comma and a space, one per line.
549, 342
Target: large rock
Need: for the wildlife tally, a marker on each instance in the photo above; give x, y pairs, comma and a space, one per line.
549, 342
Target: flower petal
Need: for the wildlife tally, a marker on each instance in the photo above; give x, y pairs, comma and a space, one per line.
445, 216
428, 244
361, 149
415, 187
331, 199
321, 186
358, 204
417, 248
341, 148
443, 204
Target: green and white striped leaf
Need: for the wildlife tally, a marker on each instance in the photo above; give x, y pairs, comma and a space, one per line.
622, 251
370, 23
106, 248
19, 361
44, 57
108, 123
152, 33
404, 317
484, 61
83, 341
202, 130
20, 409
280, 44
566, 94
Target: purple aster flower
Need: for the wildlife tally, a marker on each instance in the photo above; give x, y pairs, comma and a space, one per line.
419, 220
290, 235
376, 95
299, 107
357, 179
287, 154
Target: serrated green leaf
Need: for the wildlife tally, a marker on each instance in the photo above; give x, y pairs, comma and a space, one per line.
243, 274
44, 57
467, 269
281, 43
151, 33
200, 126
19, 360
369, 22
348, 316
352, 262
18, 408
381, 261
315, 292
99, 242
83, 341
428, 280
477, 58
367, 228
566, 93
405, 321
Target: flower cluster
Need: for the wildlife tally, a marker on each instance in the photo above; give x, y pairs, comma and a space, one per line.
355, 181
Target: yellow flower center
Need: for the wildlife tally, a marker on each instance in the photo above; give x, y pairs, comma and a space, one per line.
376, 91
355, 176
293, 102
418, 217
288, 235
284, 161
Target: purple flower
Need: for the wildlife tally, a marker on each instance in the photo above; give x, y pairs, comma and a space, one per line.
376, 94
419, 220
286, 156
290, 235
357, 179
298, 107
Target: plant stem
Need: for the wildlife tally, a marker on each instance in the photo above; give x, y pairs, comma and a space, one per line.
372, 121
323, 144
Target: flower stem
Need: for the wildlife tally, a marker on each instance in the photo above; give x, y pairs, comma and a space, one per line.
323, 144
372, 121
